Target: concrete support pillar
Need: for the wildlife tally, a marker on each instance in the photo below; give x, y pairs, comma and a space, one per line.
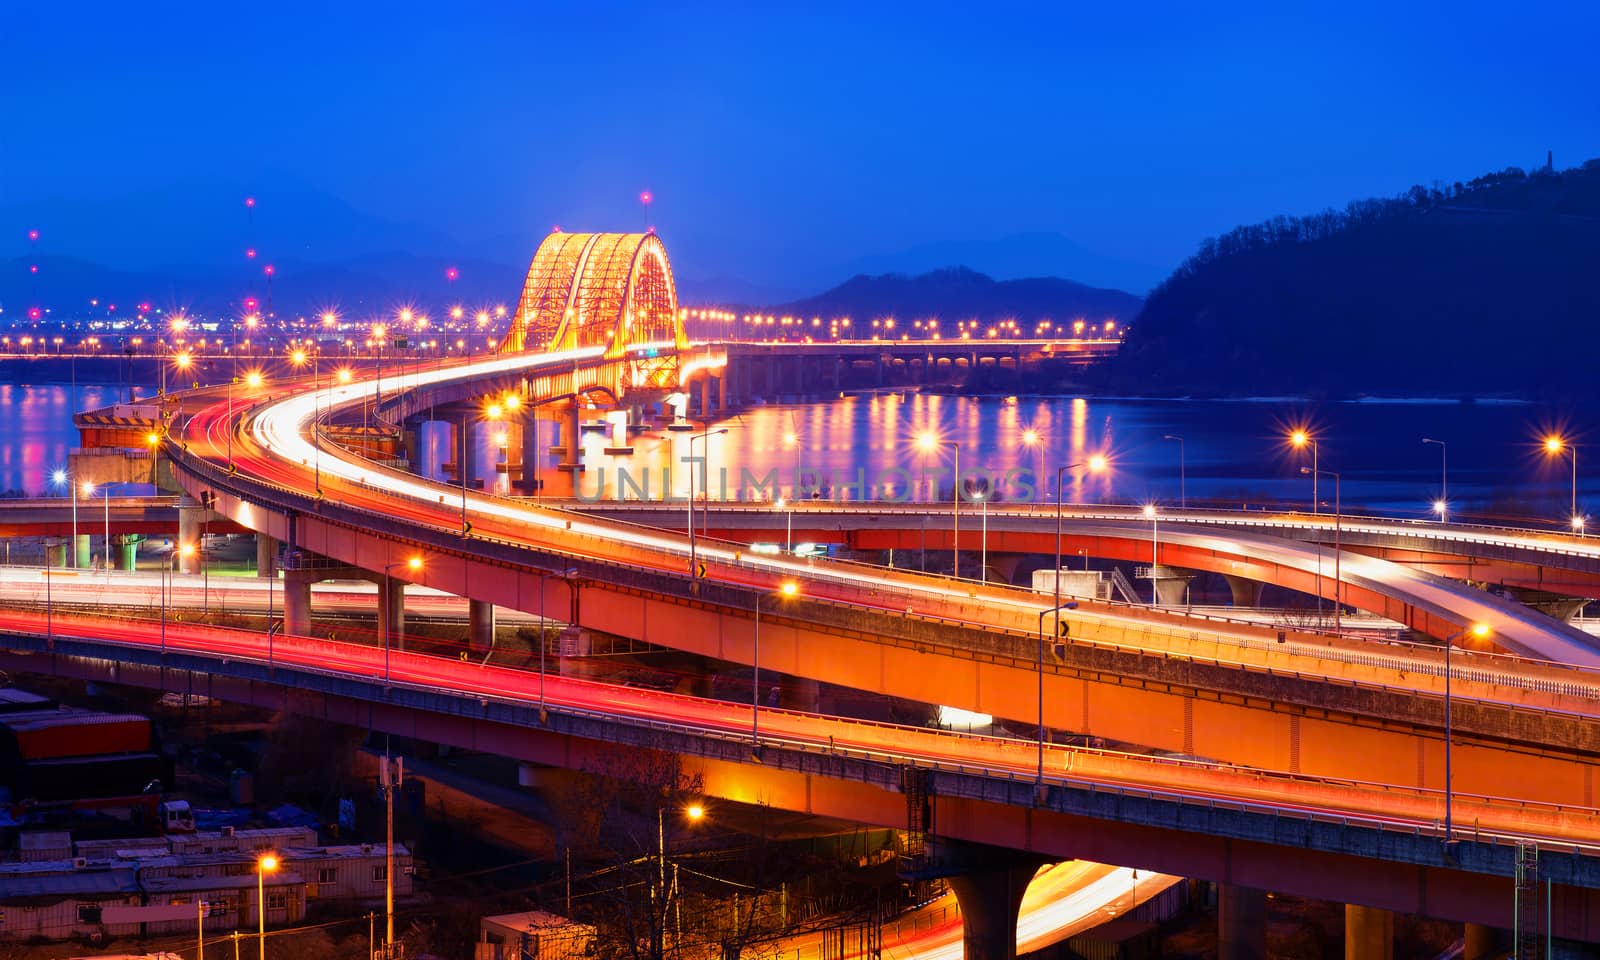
297, 602
1484, 943
722, 392
1172, 585
433, 449
1241, 923
480, 616
82, 550
1246, 592
189, 536
56, 556
1368, 933
266, 556
705, 396
574, 459
989, 900
483, 454
532, 453
127, 551
392, 612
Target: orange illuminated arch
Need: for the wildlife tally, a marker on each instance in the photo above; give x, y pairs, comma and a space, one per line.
611, 290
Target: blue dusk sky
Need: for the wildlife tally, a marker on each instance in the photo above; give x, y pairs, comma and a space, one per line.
783, 143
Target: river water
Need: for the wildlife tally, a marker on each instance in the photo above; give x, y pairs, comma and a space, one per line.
1233, 452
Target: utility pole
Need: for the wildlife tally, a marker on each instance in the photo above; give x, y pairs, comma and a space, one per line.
390, 776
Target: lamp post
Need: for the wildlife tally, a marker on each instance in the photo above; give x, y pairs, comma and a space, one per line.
1443, 506
61, 477
1183, 484
694, 812
1338, 553
694, 564
1299, 439
788, 589
1060, 606
413, 564
105, 495
1155, 551
265, 864
983, 538
390, 777
1032, 439
1479, 630
788, 524
929, 443
1555, 445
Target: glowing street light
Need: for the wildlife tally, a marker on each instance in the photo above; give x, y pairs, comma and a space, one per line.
929, 442
265, 864
1155, 553
1299, 439
1441, 506
1555, 445
787, 590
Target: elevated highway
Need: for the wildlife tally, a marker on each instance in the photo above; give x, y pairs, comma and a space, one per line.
1180, 817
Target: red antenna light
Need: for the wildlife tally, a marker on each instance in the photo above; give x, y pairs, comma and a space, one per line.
645, 197
451, 273
33, 268
144, 308
250, 304
33, 234
270, 270
111, 308
250, 254
556, 228
249, 201
35, 313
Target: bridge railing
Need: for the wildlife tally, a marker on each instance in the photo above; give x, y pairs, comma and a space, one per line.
308, 659
1232, 650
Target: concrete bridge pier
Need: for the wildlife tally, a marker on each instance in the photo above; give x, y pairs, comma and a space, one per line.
1241, 923
432, 449
1246, 592
297, 601
480, 618
392, 612
572, 458
988, 883
190, 517
1172, 585
266, 556
532, 475
82, 550
127, 550
1368, 933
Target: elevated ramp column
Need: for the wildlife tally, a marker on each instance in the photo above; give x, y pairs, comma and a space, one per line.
480, 616
297, 601
1241, 923
392, 612
1368, 933
990, 900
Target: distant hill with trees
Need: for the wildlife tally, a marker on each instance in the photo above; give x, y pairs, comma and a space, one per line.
958, 294
1490, 287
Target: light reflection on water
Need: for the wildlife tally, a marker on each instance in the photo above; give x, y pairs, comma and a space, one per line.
1234, 451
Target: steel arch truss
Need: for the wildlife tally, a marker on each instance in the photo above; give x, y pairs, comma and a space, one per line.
611, 290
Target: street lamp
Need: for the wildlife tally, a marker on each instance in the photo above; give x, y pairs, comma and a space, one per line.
1060, 606
694, 565
930, 442
1478, 631
1299, 439
265, 864
1442, 505
1183, 483
786, 590
693, 813
1338, 552
1555, 445
788, 524
1032, 439
1150, 514
105, 495
414, 565
61, 477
